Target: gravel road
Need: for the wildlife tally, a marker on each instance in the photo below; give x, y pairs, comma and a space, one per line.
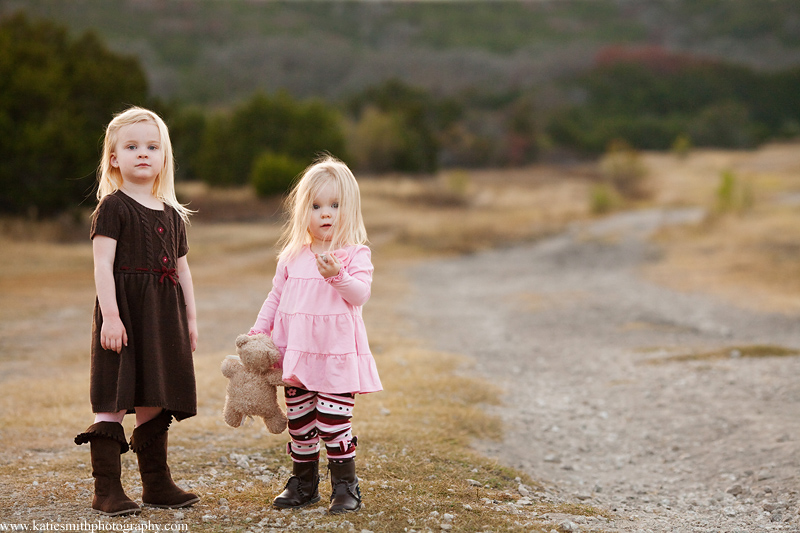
597, 403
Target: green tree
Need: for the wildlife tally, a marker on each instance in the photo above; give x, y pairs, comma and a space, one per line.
415, 148
277, 124
55, 96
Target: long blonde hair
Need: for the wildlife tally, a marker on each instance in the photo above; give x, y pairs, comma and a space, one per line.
348, 228
110, 179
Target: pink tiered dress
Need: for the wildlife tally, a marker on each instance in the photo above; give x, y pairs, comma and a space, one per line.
317, 323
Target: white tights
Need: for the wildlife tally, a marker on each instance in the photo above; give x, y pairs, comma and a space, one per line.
143, 415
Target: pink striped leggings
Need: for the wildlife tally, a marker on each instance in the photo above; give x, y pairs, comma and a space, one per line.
315, 415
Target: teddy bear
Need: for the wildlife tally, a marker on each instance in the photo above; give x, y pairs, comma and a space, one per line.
254, 380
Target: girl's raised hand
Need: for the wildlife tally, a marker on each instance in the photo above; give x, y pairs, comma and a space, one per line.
113, 335
328, 265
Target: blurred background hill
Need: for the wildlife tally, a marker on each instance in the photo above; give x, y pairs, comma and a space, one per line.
252, 89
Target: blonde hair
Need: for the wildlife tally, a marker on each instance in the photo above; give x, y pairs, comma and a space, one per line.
349, 226
110, 179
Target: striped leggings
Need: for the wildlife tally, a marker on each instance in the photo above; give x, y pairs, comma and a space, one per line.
318, 415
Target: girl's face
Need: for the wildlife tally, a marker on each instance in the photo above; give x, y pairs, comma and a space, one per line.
138, 153
324, 210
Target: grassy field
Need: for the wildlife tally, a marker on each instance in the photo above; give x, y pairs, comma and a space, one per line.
418, 471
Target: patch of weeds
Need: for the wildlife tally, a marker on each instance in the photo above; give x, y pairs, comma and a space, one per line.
732, 352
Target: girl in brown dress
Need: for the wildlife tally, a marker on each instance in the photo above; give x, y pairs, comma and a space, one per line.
145, 327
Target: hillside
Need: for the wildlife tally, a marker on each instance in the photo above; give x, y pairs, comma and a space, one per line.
217, 52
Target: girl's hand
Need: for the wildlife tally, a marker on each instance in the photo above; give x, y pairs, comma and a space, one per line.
193, 333
112, 334
328, 264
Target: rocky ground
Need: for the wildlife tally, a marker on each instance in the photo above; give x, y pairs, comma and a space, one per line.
675, 411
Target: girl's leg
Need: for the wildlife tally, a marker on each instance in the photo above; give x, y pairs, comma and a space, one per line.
335, 412
107, 443
146, 414
150, 444
333, 421
301, 410
303, 487
110, 417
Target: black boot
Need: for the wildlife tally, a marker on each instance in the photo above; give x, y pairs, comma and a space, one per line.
302, 488
149, 443
345, 493
107, 443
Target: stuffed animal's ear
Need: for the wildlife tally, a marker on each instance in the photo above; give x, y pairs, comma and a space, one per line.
241, 340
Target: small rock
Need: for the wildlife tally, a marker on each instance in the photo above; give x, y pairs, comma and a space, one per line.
523, 490
736, 490
474, 483
568, 527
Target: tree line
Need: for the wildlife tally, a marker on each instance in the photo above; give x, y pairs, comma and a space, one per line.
57, 93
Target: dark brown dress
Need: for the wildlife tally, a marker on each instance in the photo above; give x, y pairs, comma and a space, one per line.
156, 368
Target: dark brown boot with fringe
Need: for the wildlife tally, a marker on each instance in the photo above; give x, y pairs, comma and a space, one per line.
107, 442
149, 443
302, 488
345, 492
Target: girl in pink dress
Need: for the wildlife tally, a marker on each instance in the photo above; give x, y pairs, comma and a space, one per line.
313, 314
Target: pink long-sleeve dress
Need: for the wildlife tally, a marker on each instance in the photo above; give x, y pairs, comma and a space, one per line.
317, 323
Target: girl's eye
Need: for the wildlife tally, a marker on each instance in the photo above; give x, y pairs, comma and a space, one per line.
153, 147
315, 206
335, 205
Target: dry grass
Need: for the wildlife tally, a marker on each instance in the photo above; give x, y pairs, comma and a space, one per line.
729, 352
415, 460
417, 469
748, 258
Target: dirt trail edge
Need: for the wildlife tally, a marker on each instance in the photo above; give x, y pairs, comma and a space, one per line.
598, 401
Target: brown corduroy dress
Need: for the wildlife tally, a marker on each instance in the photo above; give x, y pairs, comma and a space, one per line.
156, 368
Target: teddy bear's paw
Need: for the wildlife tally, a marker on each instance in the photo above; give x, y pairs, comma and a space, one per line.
276, 424
234, 420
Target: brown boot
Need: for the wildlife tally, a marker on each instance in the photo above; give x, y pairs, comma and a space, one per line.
107, 442
302, 488
149, 443
345, 492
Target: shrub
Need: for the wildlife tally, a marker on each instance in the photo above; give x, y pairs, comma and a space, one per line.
682, 145
623, 169
733, 194
278, 124
274, 173
603, 198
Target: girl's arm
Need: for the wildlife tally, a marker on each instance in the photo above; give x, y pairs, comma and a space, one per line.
185, 279
266, 317
354, 282
112, 334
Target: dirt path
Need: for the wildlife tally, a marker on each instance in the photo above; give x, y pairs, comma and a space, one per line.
594, 405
